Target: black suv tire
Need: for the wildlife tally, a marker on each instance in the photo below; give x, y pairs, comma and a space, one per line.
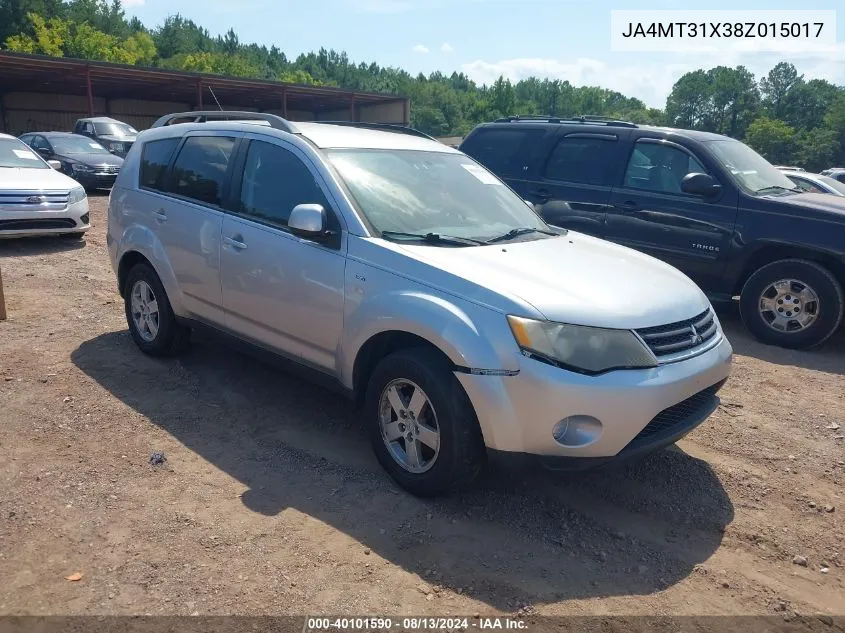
827, 309
461, 454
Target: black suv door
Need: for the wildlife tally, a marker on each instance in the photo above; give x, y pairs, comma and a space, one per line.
571, 188
650, 212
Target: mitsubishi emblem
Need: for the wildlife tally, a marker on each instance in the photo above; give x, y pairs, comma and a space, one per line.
696, 337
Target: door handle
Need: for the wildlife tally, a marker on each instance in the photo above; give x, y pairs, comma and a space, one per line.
627, 206
160, 215
235, 242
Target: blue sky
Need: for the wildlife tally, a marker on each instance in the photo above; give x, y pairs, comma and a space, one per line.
486, 38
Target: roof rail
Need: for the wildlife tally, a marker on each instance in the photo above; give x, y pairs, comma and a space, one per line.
203, 116
584, 118
387, 127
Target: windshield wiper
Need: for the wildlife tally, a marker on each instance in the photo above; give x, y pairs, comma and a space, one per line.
777, 188
432, 238
517, 232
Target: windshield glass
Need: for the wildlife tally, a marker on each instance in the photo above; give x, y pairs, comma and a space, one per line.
432, 192
76, 145
15, 153
115, 129
752, 172
833, 184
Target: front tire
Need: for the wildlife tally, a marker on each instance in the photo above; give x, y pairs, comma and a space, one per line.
151, 321
422, 426
792, 303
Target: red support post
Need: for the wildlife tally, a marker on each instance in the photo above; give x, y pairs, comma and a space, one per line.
352, 107
90, 92
284, 104
199, 94
405, 113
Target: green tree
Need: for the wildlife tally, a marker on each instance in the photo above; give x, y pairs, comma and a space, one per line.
773, 139
14, 15
816, 149
776, 86
687, 105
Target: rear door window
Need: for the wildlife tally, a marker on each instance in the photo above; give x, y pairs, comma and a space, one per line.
582, 159
199, 171
155, 157
504, 151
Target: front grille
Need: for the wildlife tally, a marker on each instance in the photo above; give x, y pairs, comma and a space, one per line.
665, 421
680, 336
32, 225
33, 200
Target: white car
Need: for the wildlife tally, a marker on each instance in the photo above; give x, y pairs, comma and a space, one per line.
817, 183
35, 199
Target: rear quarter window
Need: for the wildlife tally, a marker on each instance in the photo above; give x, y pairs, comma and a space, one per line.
155, 156
503, 151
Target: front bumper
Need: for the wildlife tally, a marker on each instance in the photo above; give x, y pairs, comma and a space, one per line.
74, 218
94, 180
632, 411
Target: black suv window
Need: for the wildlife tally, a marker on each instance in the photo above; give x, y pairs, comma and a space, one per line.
584, 160
200, 169
502, 150
659, 167
154, 160
274, 182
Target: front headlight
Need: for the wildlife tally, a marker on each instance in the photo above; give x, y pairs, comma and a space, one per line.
76, 195
587, 350
116, 147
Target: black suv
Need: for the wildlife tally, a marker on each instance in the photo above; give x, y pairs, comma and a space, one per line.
705, 203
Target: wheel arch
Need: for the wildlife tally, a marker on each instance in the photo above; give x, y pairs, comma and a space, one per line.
379, 346
773, 252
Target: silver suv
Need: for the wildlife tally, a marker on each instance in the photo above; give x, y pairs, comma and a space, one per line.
415, 280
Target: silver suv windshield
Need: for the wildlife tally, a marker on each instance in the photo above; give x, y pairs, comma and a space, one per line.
415, 192
752, 172
15, 153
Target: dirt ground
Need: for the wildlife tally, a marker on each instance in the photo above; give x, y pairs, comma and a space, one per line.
270, 501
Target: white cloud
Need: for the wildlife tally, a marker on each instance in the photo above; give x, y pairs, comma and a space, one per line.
652, 81
132, 3
447, 48
419, 48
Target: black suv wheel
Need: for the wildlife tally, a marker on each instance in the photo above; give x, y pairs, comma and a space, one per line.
792, 303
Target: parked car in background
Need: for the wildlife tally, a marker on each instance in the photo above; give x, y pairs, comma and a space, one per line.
35, 198
817, 183
705, 203
83, 159
837, 173
411, 278
116, 136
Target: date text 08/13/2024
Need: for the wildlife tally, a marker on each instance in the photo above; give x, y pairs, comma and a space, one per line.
413, 624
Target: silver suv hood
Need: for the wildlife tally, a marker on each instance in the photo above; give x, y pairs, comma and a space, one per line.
574, 279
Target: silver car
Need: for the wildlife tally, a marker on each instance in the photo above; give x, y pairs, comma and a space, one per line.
421, 285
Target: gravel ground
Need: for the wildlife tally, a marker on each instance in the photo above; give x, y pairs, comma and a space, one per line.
270, 501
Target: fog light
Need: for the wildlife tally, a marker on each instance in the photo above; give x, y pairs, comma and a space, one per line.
577, 431
84, 219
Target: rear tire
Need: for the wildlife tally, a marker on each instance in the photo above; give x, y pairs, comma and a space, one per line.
460, 453
151, 321
792, 303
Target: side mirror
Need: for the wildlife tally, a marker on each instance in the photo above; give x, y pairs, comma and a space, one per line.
55, 164
699, 184
308, 221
